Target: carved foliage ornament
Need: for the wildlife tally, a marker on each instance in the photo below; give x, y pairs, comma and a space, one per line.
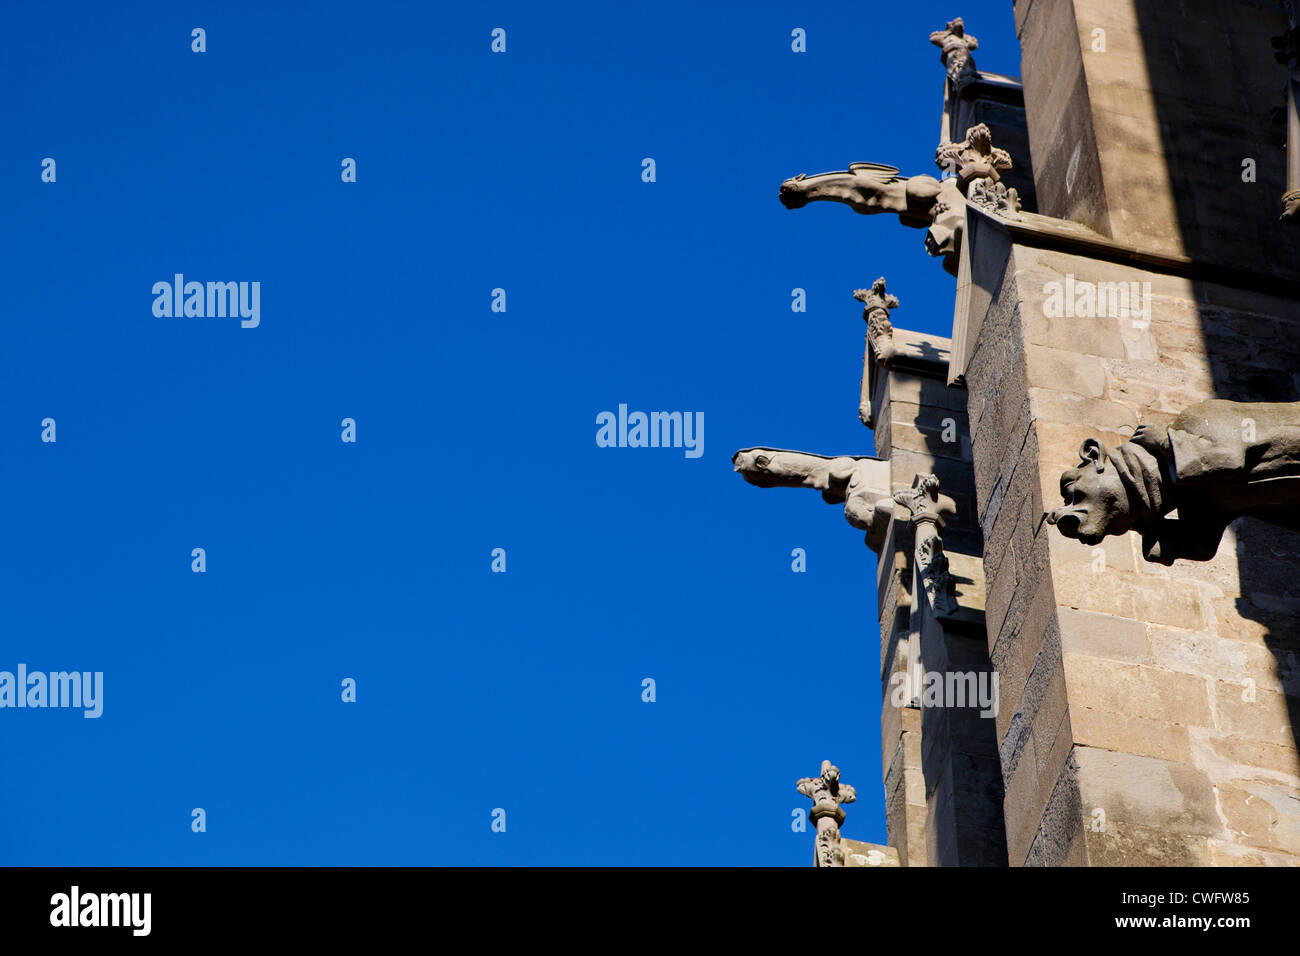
973, 158
995, 197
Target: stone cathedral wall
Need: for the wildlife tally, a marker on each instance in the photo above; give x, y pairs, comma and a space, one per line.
1149, 714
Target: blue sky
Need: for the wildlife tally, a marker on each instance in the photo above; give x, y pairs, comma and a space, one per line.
475, 429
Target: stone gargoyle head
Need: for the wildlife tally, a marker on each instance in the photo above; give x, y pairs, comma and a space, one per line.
1218, 460
1097, 500
860, 483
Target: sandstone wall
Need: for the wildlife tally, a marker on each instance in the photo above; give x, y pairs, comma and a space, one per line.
1142, 114
942, 783
1148, 714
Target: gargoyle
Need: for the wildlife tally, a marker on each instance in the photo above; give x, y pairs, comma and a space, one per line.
921, 202
1218, 461
861, 484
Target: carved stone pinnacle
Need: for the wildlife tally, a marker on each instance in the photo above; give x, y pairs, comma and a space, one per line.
955, 47
827, 793
877, 304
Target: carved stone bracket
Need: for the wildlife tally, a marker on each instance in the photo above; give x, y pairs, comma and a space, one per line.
827, 794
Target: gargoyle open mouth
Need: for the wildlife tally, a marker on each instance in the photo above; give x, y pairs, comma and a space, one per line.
1069, 521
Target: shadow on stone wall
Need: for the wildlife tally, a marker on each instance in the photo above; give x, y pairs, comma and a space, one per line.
1211, 119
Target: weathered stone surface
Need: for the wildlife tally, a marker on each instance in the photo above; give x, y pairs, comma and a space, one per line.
1251, 711
1069, 408
1067, 166
1123, 844
1225, 853
1021, 648
1262, 813
1058, 840
1245, 754
1071, 372
1103, 635
1145, 737
1137, 690
1138, 791
860, 853
1206, 655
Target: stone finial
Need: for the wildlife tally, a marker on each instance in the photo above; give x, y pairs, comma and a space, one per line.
973, 158
955, 48
877, 306
827, 795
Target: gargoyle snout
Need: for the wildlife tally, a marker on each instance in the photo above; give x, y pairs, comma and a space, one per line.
791, 195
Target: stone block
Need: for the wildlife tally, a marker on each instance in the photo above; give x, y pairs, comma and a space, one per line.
1262, 813
1137, 690
1246, 754
1064, 371
1142, 736
1122, 844
1103, 635
859, 853
1138, 791
1256, 713
1060, 829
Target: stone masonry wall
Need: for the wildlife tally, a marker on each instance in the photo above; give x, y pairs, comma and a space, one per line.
938, 767
1148, 714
